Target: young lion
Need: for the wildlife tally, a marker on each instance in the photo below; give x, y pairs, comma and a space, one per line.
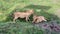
26, 14
37, 19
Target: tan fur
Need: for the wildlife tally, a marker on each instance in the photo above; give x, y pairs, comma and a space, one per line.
26, 14
38, 19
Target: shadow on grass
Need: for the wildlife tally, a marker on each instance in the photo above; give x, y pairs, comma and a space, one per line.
38, 9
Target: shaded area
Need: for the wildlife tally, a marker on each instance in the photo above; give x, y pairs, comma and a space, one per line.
42, 11
24, 27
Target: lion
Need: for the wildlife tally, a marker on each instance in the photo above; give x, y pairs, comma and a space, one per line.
25, 15
37, 19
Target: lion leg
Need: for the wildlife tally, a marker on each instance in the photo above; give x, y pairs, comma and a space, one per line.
34, 20
27, 19
14, 19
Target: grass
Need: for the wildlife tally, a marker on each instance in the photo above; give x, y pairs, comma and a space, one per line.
47, 8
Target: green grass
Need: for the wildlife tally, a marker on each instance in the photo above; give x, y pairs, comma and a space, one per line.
47, 8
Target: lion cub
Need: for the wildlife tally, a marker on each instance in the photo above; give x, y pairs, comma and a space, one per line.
26, 14
37, 19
